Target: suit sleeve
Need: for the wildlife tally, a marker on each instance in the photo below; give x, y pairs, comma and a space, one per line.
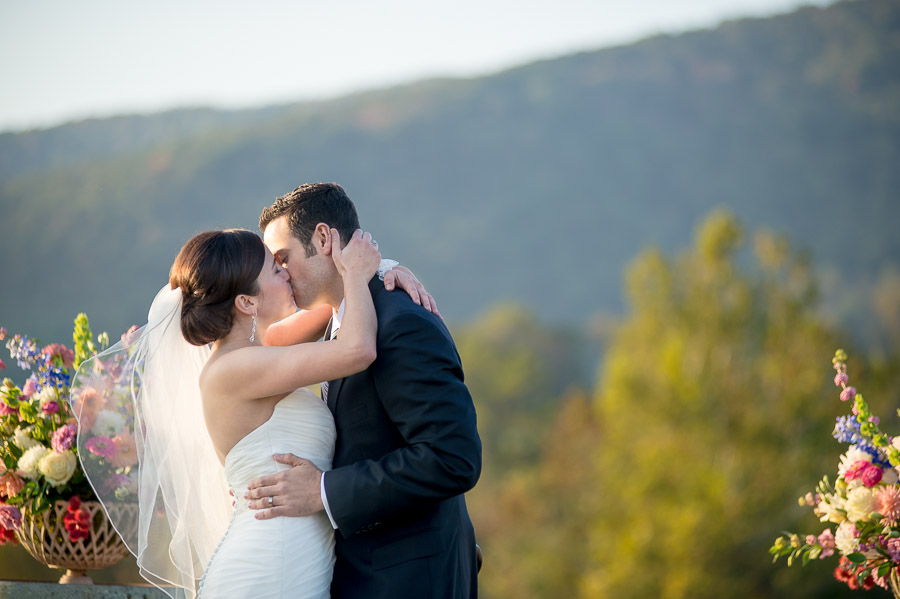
419, 379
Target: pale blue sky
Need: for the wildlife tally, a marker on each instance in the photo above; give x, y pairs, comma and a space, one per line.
63, 60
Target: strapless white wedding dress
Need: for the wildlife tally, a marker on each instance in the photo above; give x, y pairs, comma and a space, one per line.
280, 557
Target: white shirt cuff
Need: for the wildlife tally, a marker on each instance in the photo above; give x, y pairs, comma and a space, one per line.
325, 500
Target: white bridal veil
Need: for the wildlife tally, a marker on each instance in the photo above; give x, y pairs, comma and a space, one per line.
143, 443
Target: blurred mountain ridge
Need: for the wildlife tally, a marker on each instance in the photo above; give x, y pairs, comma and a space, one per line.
537, 184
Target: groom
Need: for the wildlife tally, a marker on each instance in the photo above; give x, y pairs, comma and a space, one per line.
407, 444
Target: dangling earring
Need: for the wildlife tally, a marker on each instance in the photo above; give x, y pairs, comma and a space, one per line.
253, 329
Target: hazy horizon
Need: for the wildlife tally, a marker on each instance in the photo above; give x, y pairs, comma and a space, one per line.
105, 60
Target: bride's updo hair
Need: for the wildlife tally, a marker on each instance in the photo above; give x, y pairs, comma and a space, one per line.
212, 269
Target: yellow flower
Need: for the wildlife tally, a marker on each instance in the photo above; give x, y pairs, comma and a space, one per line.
860, 505
28, 463
58, 467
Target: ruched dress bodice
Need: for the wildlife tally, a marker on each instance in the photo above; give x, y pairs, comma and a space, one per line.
279, 557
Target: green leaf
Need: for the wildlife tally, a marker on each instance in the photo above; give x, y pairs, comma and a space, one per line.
9, 462
41, 504
884, 569
15, 450
856, 558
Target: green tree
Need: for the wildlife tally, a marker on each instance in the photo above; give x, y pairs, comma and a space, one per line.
517, 370
713, 402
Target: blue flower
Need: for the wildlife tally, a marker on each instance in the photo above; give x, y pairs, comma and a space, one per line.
846, 430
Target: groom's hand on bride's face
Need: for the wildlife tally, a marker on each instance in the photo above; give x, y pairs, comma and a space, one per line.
293, 492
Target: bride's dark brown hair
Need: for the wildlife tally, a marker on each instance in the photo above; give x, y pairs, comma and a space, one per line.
212, 269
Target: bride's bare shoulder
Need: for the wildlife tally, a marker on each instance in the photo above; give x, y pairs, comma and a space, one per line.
221, 370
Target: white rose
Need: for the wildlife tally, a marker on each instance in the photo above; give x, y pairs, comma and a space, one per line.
859, 505
46, 394
108, 422
890, 477
24, 440
843, 537
28, 463
58, 467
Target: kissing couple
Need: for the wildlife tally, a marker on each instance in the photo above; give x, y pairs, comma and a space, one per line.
250, 484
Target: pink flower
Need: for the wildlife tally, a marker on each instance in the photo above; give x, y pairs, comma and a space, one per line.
87, 403
848, 394
61, 354
2, 333
10, 485
840, 379
826, 540
887, 503
893, 548
856, 470
2, 364
102, 446
871, 476
29, 388
128, 336
6, 409
10, 517
51, 407
126, 450
63, 438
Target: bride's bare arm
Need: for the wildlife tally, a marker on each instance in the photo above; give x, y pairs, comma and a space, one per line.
309, 325
260, 371
300, 327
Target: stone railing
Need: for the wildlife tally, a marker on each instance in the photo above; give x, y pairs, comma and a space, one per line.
53, 590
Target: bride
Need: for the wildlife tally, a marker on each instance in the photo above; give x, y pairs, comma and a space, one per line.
211, 407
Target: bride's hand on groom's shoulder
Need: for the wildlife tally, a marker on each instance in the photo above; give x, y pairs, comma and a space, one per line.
292, 492
402, 277
359, 256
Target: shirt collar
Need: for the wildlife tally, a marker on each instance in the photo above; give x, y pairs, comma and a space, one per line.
336, 318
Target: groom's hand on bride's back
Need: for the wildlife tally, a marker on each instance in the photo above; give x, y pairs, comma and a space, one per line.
293, 492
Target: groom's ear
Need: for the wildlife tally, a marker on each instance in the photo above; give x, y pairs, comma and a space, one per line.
321, 239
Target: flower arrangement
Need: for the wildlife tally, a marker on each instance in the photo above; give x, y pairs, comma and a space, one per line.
39, 461
862, 507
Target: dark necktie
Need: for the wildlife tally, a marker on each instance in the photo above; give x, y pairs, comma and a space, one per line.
325, 384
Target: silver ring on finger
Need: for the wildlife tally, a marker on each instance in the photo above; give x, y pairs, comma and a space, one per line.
271, 501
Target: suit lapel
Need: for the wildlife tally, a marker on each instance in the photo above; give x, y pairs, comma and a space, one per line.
334, 390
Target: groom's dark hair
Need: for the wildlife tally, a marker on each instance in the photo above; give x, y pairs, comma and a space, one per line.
309, 205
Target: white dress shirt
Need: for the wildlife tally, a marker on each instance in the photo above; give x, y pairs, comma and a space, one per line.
335, 325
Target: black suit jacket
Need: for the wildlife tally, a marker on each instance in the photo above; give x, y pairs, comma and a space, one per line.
407, 450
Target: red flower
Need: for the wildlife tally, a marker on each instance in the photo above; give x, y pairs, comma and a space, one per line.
77, 521
841, 572
7, 536
871, 476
